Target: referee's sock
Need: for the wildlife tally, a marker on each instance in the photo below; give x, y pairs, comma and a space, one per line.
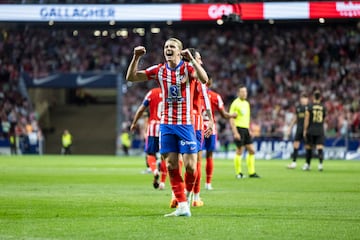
250, 161
237, 164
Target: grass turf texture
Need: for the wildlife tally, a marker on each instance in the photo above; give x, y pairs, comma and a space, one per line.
105, 197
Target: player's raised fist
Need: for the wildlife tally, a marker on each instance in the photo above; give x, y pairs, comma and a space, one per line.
139, 51
187, 55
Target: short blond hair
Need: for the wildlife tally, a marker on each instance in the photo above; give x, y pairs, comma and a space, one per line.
177, 41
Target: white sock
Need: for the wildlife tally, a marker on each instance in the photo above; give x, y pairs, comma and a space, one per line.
196, 196
182, 204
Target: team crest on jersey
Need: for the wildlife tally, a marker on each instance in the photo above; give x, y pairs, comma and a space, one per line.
184, 78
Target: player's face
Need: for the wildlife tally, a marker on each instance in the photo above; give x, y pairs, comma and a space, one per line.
304, 101
242, 93
171, 51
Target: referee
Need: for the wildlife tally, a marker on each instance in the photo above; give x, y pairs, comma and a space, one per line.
240, 128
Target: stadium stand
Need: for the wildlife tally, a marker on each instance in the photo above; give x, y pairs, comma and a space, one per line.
276, 62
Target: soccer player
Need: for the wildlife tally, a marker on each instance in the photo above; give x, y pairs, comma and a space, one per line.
299, 121
201, 103
177, 81
217, 104
314, 130
153, 102
242, 138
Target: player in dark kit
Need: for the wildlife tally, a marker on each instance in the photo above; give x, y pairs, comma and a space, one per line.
314, 130
299, 120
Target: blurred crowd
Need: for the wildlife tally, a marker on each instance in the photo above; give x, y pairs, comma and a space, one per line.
19, 123
276, 62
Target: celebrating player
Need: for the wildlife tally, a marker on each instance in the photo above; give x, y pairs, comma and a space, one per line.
177, 81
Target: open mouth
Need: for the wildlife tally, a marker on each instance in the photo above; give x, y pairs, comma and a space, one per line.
169, 53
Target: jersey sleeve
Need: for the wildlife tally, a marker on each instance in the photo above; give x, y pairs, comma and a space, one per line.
147, 99
206, 97
220, 102
151, 72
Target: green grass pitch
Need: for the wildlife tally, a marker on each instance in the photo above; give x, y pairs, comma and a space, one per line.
106, 197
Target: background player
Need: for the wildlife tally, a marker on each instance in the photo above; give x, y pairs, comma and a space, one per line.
299, 121
240, 128
314, 130
201, 103
217, 104
153, 102
176, 79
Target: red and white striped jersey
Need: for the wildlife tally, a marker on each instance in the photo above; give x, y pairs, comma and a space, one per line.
201, 103
177, 85
217, 104
153, 100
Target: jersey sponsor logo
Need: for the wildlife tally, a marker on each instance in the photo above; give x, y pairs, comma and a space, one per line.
40, 81
83, 81
174, 95
183, 143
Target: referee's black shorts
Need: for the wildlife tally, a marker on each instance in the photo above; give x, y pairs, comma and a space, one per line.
245, 137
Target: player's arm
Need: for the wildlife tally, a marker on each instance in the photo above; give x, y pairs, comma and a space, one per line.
210, 127
226, 114
292, 123
306, 122
133, 74
200, 71
232, 123
208, 111
138, 114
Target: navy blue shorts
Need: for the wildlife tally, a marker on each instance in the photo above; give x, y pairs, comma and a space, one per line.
152, 145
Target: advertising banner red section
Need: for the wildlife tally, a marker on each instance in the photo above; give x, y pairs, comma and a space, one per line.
206, 12
252, 11
345, 9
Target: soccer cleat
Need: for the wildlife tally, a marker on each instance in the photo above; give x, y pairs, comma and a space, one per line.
306, 167
198, 203
292, 165
180, 212
320, 167
254, 175
162, 186
208, 186
156, 179
146, 171
173, 203
240, 176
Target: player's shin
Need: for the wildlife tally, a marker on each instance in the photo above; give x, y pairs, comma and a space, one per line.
177, 184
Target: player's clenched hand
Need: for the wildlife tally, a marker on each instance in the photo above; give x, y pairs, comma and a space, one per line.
187, 55
132, 127
139, 51
208, 132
